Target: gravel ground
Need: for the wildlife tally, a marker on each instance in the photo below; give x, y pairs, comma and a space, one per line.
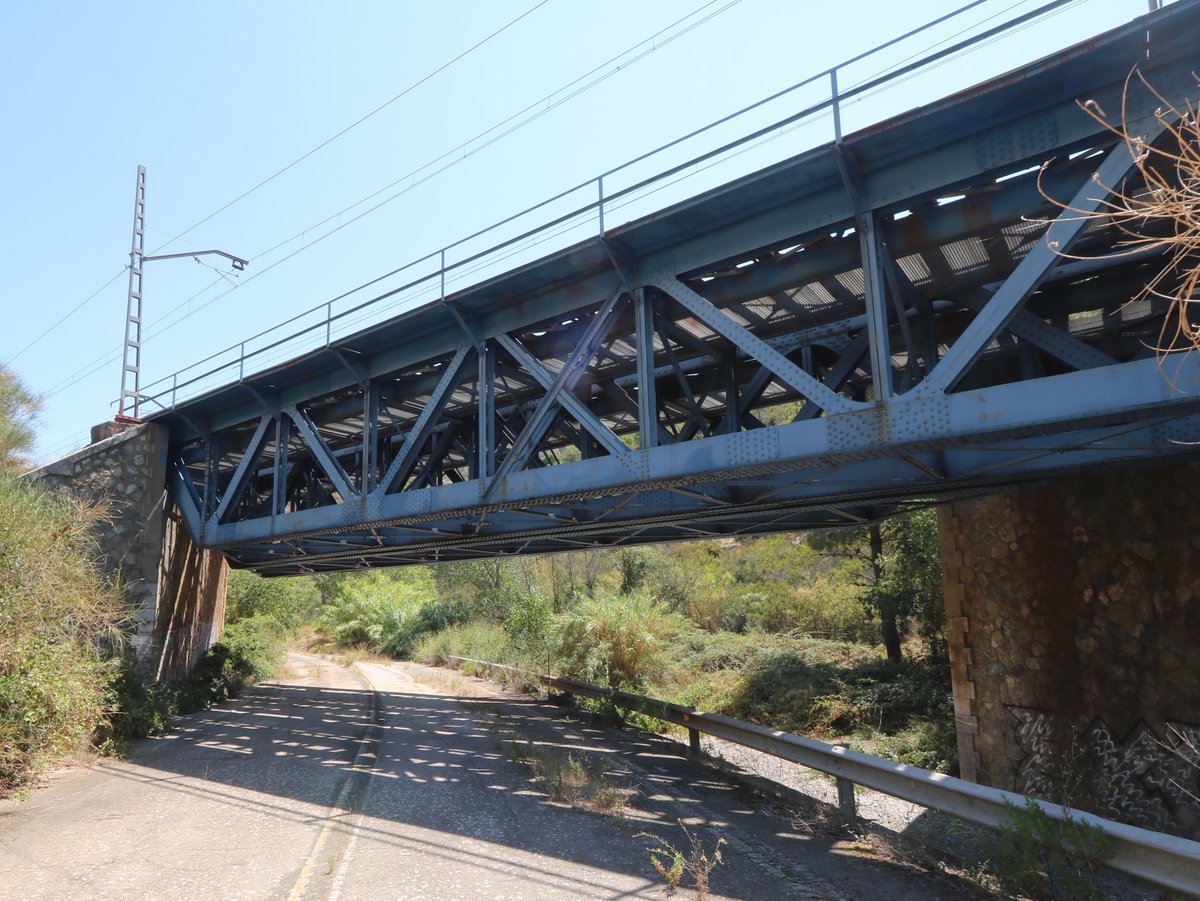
910, 830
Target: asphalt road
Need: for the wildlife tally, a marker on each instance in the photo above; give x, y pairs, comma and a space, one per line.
387, 782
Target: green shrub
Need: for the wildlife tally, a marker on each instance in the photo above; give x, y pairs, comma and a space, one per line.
51, 702
796, 693
1038, 856
931, 744
382, 610
136, 708
57, 619
618, 641
289, 601
247, 653
477, 639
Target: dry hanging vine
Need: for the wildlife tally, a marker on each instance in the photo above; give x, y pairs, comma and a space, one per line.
1162, 215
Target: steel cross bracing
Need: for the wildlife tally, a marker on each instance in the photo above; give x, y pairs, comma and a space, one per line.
894, 319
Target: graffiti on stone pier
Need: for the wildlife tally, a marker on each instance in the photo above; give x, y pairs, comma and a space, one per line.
1146, 778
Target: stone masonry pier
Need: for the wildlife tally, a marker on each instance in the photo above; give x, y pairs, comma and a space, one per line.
175, 591
1075, 642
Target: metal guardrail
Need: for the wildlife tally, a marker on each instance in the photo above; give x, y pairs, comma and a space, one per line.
1165, 860
235, 362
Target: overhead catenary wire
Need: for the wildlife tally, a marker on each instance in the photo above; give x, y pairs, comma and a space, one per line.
953, 13
460, 153
83, 303
450, 158
353, 125
871, 85
270, 178
71, 380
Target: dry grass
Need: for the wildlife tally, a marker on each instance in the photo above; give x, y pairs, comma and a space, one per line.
576, 779
444, 682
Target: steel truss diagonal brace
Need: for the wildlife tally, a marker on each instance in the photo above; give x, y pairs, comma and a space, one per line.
539, 421
322, 454
237, 484
407, 455
187, 499
841, 371
755, 347
1057, 343
1030, 272
573, 404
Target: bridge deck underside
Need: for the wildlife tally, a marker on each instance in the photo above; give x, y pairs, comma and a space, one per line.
894, 320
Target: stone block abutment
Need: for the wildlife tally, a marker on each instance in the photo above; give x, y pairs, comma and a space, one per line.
1075, 642
175, 590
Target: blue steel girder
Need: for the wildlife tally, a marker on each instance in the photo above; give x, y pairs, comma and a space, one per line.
886, 321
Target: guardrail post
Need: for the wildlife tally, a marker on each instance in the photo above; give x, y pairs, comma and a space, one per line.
845, 790
694, 741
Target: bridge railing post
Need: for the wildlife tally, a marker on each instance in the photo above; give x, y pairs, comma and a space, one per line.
600, 201
837, 107
328, 322
242, 361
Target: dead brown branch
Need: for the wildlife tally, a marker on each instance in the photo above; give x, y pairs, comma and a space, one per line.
1162, 214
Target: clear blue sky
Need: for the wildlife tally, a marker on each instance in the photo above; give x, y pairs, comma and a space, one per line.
213, 99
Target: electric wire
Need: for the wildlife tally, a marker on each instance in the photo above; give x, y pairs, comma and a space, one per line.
108, 358
270, 178
83, 303
353, 125
1042, 15
152, 329
459, 154
958, 11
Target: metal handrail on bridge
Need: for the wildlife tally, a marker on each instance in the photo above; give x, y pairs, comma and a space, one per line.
1165, 860
171, 386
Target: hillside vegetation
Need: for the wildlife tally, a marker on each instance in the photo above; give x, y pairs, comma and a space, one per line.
834, 635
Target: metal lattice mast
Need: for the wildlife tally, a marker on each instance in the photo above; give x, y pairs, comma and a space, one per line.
132, 363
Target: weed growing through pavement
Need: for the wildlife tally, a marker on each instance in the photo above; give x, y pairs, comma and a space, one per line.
672, 864
569, 777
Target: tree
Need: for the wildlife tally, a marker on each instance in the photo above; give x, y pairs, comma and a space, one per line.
18, 408
908, 583
902, 574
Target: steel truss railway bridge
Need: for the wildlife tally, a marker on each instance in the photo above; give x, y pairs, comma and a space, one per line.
917, 311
